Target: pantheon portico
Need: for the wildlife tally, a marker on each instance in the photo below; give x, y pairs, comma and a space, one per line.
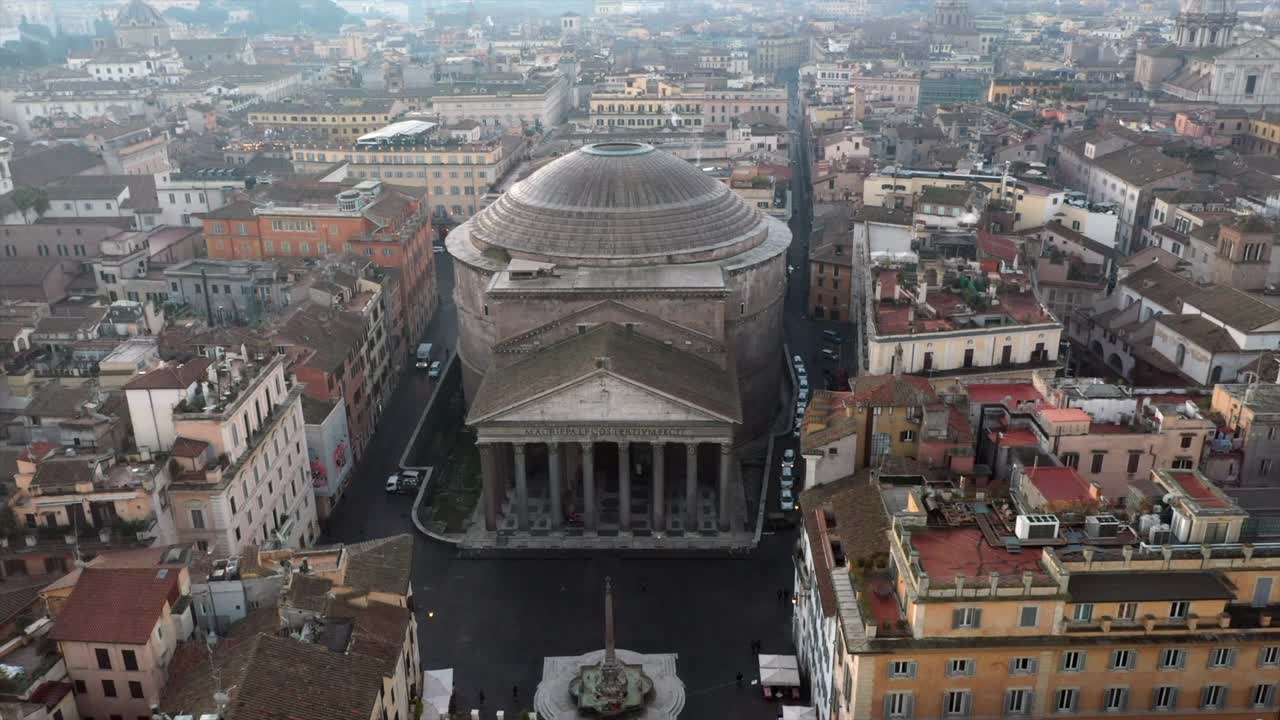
620, 330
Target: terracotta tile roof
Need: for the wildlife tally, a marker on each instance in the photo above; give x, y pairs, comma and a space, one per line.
887, 390
172, 376
275, 678
382, 565
857, 517
116, 606
1060, 484
188, 448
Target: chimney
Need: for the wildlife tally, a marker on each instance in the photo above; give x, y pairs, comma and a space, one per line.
995, 582
1028, 577
1127, 552
959, 584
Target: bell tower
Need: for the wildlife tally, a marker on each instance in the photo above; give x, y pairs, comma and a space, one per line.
1205, 23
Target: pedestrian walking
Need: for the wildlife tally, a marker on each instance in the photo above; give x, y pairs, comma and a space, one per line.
739, 678
515, 692
481, 697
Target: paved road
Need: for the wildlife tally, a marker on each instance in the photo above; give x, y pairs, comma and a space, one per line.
494, 620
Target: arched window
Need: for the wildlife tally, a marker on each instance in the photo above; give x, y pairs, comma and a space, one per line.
1180, 354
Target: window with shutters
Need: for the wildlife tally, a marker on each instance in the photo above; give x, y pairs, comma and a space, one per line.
966, 618
1127, 611
1066, 700
956, 703
1017, 702
1173, 659
902, 669
1073, 661
1178, 609
1023, 666
958, 667
1263, 696
898, 705
1269, 656
1124, 659
1222, 657
1213, 696
1115, 699
1030, 617
1083, 612
1164, 698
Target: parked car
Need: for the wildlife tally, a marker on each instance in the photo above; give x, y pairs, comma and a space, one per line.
788, 477
393, 484
434, 372
787, 501
801, 372
804, 395
410, 480
799, 424
832, 336
797, 361
804, 382
789, 457
830, 354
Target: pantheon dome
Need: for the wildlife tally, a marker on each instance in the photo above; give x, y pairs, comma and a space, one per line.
620, 203
620, 293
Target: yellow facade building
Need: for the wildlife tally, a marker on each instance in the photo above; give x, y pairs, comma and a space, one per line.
944, 607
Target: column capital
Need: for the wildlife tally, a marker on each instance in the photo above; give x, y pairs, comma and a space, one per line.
553, 448
726, 448
518, 448
691, 448
586, 444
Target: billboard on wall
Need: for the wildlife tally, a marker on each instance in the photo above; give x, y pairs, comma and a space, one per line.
329, 451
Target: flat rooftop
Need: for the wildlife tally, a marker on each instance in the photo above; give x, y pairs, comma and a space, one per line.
946, 553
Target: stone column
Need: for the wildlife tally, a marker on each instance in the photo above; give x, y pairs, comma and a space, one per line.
522, 487
554, 469
726, 464
489, 473
624, 486
588, 486
659, 475
691, 487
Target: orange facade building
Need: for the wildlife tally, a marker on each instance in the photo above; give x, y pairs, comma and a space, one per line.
389, 226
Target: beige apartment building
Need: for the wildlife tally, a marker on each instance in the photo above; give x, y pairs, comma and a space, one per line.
456, 174
1114, 454
349, 119
238, 455
117, 634
934, 615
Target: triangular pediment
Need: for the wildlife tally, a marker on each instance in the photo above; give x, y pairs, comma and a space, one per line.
605, 311
1256, 49
603, 397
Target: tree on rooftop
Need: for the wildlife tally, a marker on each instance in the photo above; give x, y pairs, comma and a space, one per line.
31, 199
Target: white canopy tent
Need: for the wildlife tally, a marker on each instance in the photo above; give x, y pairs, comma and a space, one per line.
799, 712
437, 688
779, 671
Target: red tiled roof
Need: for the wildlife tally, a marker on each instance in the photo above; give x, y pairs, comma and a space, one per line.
998, 247
1016, 438
116, 606
171, 377
1192, 486
188, 448
888, 284
50, 694
37, 451
882, 390
987, 393
1060, 484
